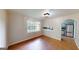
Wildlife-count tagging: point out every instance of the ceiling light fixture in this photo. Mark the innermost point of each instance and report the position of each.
(46, 13)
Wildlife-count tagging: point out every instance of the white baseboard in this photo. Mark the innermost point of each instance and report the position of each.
(52, 37)
(28, 39)
(3, 48)
(22, 40)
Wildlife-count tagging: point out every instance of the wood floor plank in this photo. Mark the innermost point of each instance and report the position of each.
(45, 43)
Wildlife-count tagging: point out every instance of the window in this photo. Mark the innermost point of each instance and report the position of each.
(33, 26)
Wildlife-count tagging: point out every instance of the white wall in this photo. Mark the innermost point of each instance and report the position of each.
(3, 37)
(56, 32)
(16, 28)
(56, 23)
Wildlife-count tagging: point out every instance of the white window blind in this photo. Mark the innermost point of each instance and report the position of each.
(33, 26)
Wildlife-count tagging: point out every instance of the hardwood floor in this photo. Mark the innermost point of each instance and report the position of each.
(45, 43)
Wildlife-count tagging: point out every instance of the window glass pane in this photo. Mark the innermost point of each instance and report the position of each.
(33, 26)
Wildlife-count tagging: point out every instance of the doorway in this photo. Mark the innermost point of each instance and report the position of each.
(68, 28)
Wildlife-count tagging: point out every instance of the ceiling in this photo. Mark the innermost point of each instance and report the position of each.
(37, 13)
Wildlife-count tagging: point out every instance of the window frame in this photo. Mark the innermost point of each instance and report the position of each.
(34, 25)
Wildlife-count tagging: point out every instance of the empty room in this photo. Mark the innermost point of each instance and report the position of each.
(39, 29)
